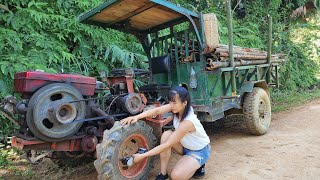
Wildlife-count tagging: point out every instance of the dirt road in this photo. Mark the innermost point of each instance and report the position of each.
(290, 150)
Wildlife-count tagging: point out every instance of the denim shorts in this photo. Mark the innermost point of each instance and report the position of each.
(202, 155)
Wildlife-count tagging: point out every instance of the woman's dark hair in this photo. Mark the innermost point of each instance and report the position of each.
(183, 95)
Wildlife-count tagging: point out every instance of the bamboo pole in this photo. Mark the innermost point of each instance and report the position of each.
(268, 78)
(230, 39)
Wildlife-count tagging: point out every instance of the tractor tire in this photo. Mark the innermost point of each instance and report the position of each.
(122, 141)
(257, 111)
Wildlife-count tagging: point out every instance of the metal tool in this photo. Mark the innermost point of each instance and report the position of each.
(128, 161)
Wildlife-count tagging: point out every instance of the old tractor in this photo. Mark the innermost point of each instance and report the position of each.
(65, 116)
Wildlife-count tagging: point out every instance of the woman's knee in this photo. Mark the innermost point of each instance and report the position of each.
(177, 175)
(165, 136)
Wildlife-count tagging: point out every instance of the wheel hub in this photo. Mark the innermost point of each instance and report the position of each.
(132, 103)
(129, 147)
(88, 143)
(64, 113)
(262, 112)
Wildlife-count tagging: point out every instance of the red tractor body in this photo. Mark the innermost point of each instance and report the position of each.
(30, 81)
(66, 114)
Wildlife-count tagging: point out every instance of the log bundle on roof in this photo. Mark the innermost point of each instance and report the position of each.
(220, 57)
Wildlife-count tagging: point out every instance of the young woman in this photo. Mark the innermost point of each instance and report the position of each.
(189, 138)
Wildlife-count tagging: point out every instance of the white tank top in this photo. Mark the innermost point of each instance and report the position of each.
(193, 140)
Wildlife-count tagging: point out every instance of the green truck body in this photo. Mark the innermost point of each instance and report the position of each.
(213, 93)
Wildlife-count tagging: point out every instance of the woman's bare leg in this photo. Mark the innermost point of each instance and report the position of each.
(165, 155)
(185, 168)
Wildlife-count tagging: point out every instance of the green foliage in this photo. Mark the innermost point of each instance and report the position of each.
(296, 39)
(3, 160)
(284, 100)
(46, 35)
(21, 174)
(6, 128)
(5, 85)
(302, 47)
(9, 158)
(6, 156)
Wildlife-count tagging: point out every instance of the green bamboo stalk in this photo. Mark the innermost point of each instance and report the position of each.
(230, 38)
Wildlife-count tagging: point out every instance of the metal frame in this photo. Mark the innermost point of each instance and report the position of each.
(188, 15)
(94, 11)
(142, 35)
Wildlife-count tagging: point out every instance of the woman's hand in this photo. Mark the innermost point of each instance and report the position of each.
(138, 157)
(149, 113)
(129, 120)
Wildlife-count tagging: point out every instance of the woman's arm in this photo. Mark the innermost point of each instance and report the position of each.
(177, 135)
(149, 113)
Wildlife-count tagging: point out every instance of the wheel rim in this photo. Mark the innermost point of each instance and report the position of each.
(263, 112)
(130, 146)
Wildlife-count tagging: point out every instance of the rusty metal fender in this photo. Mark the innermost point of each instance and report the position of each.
(249, 85)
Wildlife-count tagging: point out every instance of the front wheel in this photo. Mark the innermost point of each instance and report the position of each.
(122, 141)
(257, 111)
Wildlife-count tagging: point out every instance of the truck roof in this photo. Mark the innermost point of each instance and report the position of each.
(140, 16)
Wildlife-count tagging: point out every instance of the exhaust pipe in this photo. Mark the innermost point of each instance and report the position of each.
(109, 120)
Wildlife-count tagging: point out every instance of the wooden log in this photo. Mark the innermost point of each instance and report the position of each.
(247, 51)
(217, 64)
(223, 59)
(242, 48)
(194, 56)
(240, 56)
(244, 56)
(225, 48)
(188, 58)
(241, 52)
(208, 50)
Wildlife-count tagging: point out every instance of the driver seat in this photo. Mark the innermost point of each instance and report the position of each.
(161, 64)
